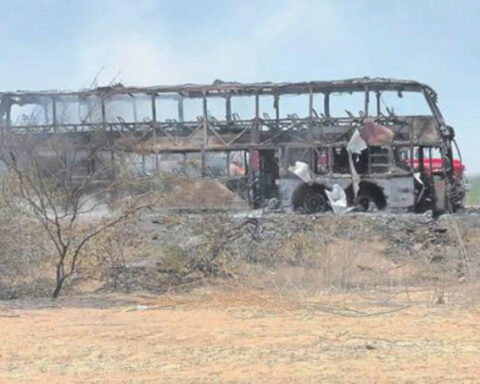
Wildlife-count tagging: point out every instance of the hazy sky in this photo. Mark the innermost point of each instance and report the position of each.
(50, 44)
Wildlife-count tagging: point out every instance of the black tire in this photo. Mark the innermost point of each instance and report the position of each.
(315, 202)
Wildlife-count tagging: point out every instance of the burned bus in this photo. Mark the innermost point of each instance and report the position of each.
(308, 146)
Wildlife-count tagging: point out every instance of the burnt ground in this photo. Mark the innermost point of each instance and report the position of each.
(311, 252)
(167, 249)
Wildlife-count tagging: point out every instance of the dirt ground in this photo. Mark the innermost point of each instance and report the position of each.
(233, 334)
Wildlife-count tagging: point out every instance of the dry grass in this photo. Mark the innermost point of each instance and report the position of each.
(239, 335)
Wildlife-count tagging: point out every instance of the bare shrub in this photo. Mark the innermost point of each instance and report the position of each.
(52, 192)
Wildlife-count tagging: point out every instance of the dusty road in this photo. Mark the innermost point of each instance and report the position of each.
(234, 335)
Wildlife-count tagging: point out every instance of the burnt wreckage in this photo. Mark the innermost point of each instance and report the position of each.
(313, 146)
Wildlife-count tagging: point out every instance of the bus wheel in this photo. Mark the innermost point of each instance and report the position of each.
(363, 201)
(315, 201)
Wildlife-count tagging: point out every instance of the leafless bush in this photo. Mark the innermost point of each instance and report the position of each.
(52, 190)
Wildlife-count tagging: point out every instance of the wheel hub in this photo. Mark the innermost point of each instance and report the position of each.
(314, 202)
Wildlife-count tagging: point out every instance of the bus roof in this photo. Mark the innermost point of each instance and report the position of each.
(222, 88)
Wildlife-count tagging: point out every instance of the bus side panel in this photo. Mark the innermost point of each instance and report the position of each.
(399, 192)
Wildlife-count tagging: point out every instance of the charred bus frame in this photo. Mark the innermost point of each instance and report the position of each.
(391, 174)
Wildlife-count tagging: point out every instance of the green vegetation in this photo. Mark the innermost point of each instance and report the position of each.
(473, 195)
